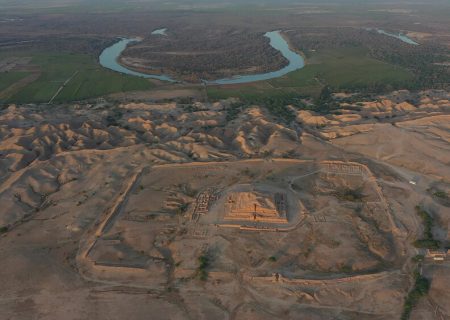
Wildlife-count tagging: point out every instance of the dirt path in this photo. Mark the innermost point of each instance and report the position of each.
(111, 215)
(62, 86)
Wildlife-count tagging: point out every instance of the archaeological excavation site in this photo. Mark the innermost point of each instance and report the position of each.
(197, 216)
(271, 223)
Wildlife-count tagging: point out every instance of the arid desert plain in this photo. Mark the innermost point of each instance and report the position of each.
(190, 216)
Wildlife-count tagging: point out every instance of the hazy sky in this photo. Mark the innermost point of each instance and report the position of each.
(28, 5)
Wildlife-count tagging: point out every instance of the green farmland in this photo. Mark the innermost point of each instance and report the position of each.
(9, 78)
(341, 69)
(345, 68)
(88, 80)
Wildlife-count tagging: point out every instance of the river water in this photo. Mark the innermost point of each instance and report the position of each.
(109, 59)
(161, 32)
(296, 62)
(398, 36)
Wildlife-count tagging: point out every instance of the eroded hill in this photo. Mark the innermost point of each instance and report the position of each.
(182, 211)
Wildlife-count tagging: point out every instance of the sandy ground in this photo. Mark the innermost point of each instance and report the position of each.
(98, 203)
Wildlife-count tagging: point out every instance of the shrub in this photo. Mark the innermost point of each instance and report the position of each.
(182, 208)
(247, 172)
(203, 265)
(112, 119)
(233, 111)
(346, 269)
(421, 287)
(427, 244)
(427, 220)
(440, 194)
(354, 195)
(272, 259)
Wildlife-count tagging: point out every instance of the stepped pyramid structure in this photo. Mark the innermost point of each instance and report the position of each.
(256, 206)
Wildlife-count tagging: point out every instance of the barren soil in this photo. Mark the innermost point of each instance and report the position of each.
(99, 204)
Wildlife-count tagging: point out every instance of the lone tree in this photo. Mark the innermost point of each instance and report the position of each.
(203, 264)
(325, 95)
(325, 103)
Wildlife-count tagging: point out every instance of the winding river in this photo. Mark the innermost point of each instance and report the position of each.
(296, 62)
(109, 59)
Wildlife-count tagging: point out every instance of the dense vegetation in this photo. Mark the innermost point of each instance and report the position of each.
(325, 102)
(424, 60)
(193, 54)
(440, 194)
(281, 106)
(233, 111)
(347, 194)
(202, 268)
(278, 106)
(427, 241)
(421, 287)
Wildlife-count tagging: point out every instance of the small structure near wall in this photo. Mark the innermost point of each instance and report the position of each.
(437, 255)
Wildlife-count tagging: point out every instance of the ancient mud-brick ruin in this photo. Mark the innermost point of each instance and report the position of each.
(343, 167)
(204, 201)
(256, 206)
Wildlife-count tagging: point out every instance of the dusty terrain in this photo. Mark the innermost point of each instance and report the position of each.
(114, 211)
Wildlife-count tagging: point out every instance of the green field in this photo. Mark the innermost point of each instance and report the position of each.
(91, 81)
(9, 78)
(345, 68)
